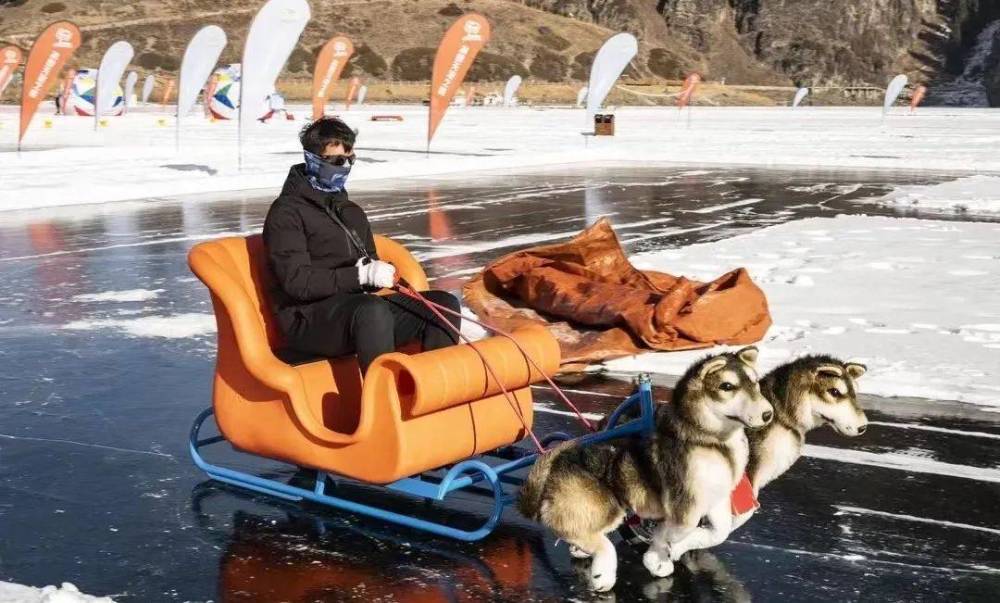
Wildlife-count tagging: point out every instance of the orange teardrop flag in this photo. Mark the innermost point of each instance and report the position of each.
(48, 54)
(10, 60)
(166, 93)
(458, 49)
(918, 96)
(329, 64)
(351, 90)
(690, 83)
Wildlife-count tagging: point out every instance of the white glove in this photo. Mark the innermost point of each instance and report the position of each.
(376, 273)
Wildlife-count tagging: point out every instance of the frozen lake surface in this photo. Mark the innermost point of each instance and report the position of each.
(107, 348)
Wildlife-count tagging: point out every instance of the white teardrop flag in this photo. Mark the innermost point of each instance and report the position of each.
(200, 57)
(110, 73)
(147, 88)
(581, 96)
(130, 81)
(273, 35)
(510, 90)
(800, 94)
(893, 91)
(362, 93)
(608, 65)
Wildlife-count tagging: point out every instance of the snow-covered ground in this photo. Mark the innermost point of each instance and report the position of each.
(134, 157)
(67, 593)
(915, 300)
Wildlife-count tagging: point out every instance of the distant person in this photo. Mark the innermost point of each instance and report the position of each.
(322, 253)
(276, 104)
(63, 93)
(210, 88)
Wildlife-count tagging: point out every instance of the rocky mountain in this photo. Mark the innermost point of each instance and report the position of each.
(775, 42)
(807, 42)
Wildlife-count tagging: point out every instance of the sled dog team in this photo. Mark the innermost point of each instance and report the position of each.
(722, 421)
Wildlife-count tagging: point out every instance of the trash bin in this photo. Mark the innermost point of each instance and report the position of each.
(604, 124)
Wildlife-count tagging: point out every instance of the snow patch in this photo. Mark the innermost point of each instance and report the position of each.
(920, 341)
(724, 206)
(132, 295)
(67, 593)
(901, 462)
(973, 194)
(848, 510)
(178, 326)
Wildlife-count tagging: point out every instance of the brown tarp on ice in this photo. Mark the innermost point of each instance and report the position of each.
(599, 306)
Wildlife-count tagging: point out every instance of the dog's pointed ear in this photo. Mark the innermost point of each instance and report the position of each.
(855, 369)
(748, 355)
(829, 370)
(711, 365)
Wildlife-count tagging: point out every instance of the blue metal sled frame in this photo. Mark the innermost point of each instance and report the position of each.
(467, 475)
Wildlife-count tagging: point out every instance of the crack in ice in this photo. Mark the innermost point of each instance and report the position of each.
(8, 436)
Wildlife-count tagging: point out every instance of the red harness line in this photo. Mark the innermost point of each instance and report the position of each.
(438, 309)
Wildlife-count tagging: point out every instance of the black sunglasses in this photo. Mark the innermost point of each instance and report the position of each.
(339, 160)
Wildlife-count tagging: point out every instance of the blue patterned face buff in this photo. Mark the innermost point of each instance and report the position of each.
(324, 176)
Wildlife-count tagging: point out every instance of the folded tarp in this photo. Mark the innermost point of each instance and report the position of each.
(599, 306)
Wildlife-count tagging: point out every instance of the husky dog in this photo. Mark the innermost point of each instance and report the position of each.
(806, 393)
(683, 472)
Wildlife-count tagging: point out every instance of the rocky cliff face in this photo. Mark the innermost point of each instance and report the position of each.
(801, 41)
(991, 75)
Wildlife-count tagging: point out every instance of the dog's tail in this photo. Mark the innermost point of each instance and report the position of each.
(532, 495)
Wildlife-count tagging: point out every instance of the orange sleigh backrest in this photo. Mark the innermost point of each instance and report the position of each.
(235, 271)
(237, 274)
(244, 261)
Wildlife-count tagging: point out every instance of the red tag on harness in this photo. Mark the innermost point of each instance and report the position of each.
(742, 498)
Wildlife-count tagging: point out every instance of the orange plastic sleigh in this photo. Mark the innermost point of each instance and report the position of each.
(422, 424)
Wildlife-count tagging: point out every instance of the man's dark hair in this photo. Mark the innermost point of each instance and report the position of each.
(315, 136)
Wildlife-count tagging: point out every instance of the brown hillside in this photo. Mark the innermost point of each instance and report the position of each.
(395, 39)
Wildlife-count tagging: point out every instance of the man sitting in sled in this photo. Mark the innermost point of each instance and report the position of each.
(321, 250)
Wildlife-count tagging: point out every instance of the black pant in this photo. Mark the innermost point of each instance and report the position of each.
(370, 325)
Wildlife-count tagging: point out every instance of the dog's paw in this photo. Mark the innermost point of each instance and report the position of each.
(658, 565)
(604, 571)
(577, 553)
(602, 581)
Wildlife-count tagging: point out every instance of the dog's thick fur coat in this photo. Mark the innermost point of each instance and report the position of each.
(684, 471)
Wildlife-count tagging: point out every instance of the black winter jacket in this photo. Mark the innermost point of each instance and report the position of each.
(311, 256)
